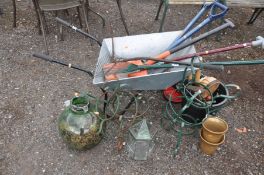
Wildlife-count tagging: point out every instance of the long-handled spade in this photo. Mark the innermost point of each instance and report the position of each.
(258, 42)
(188, 31)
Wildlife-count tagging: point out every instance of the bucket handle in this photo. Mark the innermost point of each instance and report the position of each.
(236, 94)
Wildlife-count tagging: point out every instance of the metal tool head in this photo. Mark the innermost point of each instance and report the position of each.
(259, 42)
(230, 23)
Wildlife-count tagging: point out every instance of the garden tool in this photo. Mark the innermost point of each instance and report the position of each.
(259, 42)
(219, 63)
(237, 63)
(111, 69)
(60, 62)
(134, 68)
(188, 32)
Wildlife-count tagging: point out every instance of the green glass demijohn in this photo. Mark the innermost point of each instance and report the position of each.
(80, 124)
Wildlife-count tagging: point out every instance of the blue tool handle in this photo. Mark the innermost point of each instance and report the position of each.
(188, 27)
(202, 24)
(187, 32)
(192, 32)
(218, 15)
(194, 20)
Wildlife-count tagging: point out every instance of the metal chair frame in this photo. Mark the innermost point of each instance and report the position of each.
(256, 13)
(88, 9)
(41, 8)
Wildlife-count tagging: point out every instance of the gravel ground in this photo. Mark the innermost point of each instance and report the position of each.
(32, 95)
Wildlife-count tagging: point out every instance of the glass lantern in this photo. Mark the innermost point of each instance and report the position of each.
(140, 143)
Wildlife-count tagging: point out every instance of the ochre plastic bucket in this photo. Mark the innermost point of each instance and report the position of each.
(208, 147)
(214, 128)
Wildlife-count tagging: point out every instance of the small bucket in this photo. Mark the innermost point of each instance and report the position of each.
(197, 113)
(200, 113)
(208, 147)
(221, 101)
(213, 129)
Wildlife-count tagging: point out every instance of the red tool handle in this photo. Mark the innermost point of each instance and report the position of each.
(210, 52)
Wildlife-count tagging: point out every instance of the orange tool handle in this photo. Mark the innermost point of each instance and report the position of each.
(160, 56)
(149, 62)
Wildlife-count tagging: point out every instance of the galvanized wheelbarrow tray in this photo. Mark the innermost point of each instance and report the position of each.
(147, 45)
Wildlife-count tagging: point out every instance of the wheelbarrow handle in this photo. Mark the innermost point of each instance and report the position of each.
(49, 59)
(218, 15)
(67, 24)
(63, 22)
(43, 57)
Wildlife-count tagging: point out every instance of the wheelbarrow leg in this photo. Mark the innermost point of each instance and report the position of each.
(36, 11)
(79, 16)
(158, 12)
(42, 27)
(255, 15)
(122, 15)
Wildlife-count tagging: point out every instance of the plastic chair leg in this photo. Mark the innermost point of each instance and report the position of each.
(158, 12)
(60, 26)
(79, 16)
(90, 9)
(85, 14)
(122, 15)
(164, 15)
(36, 11)
(255, 15)
(43, 32)
(41, 19)
(14, 13)
(61, 33)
